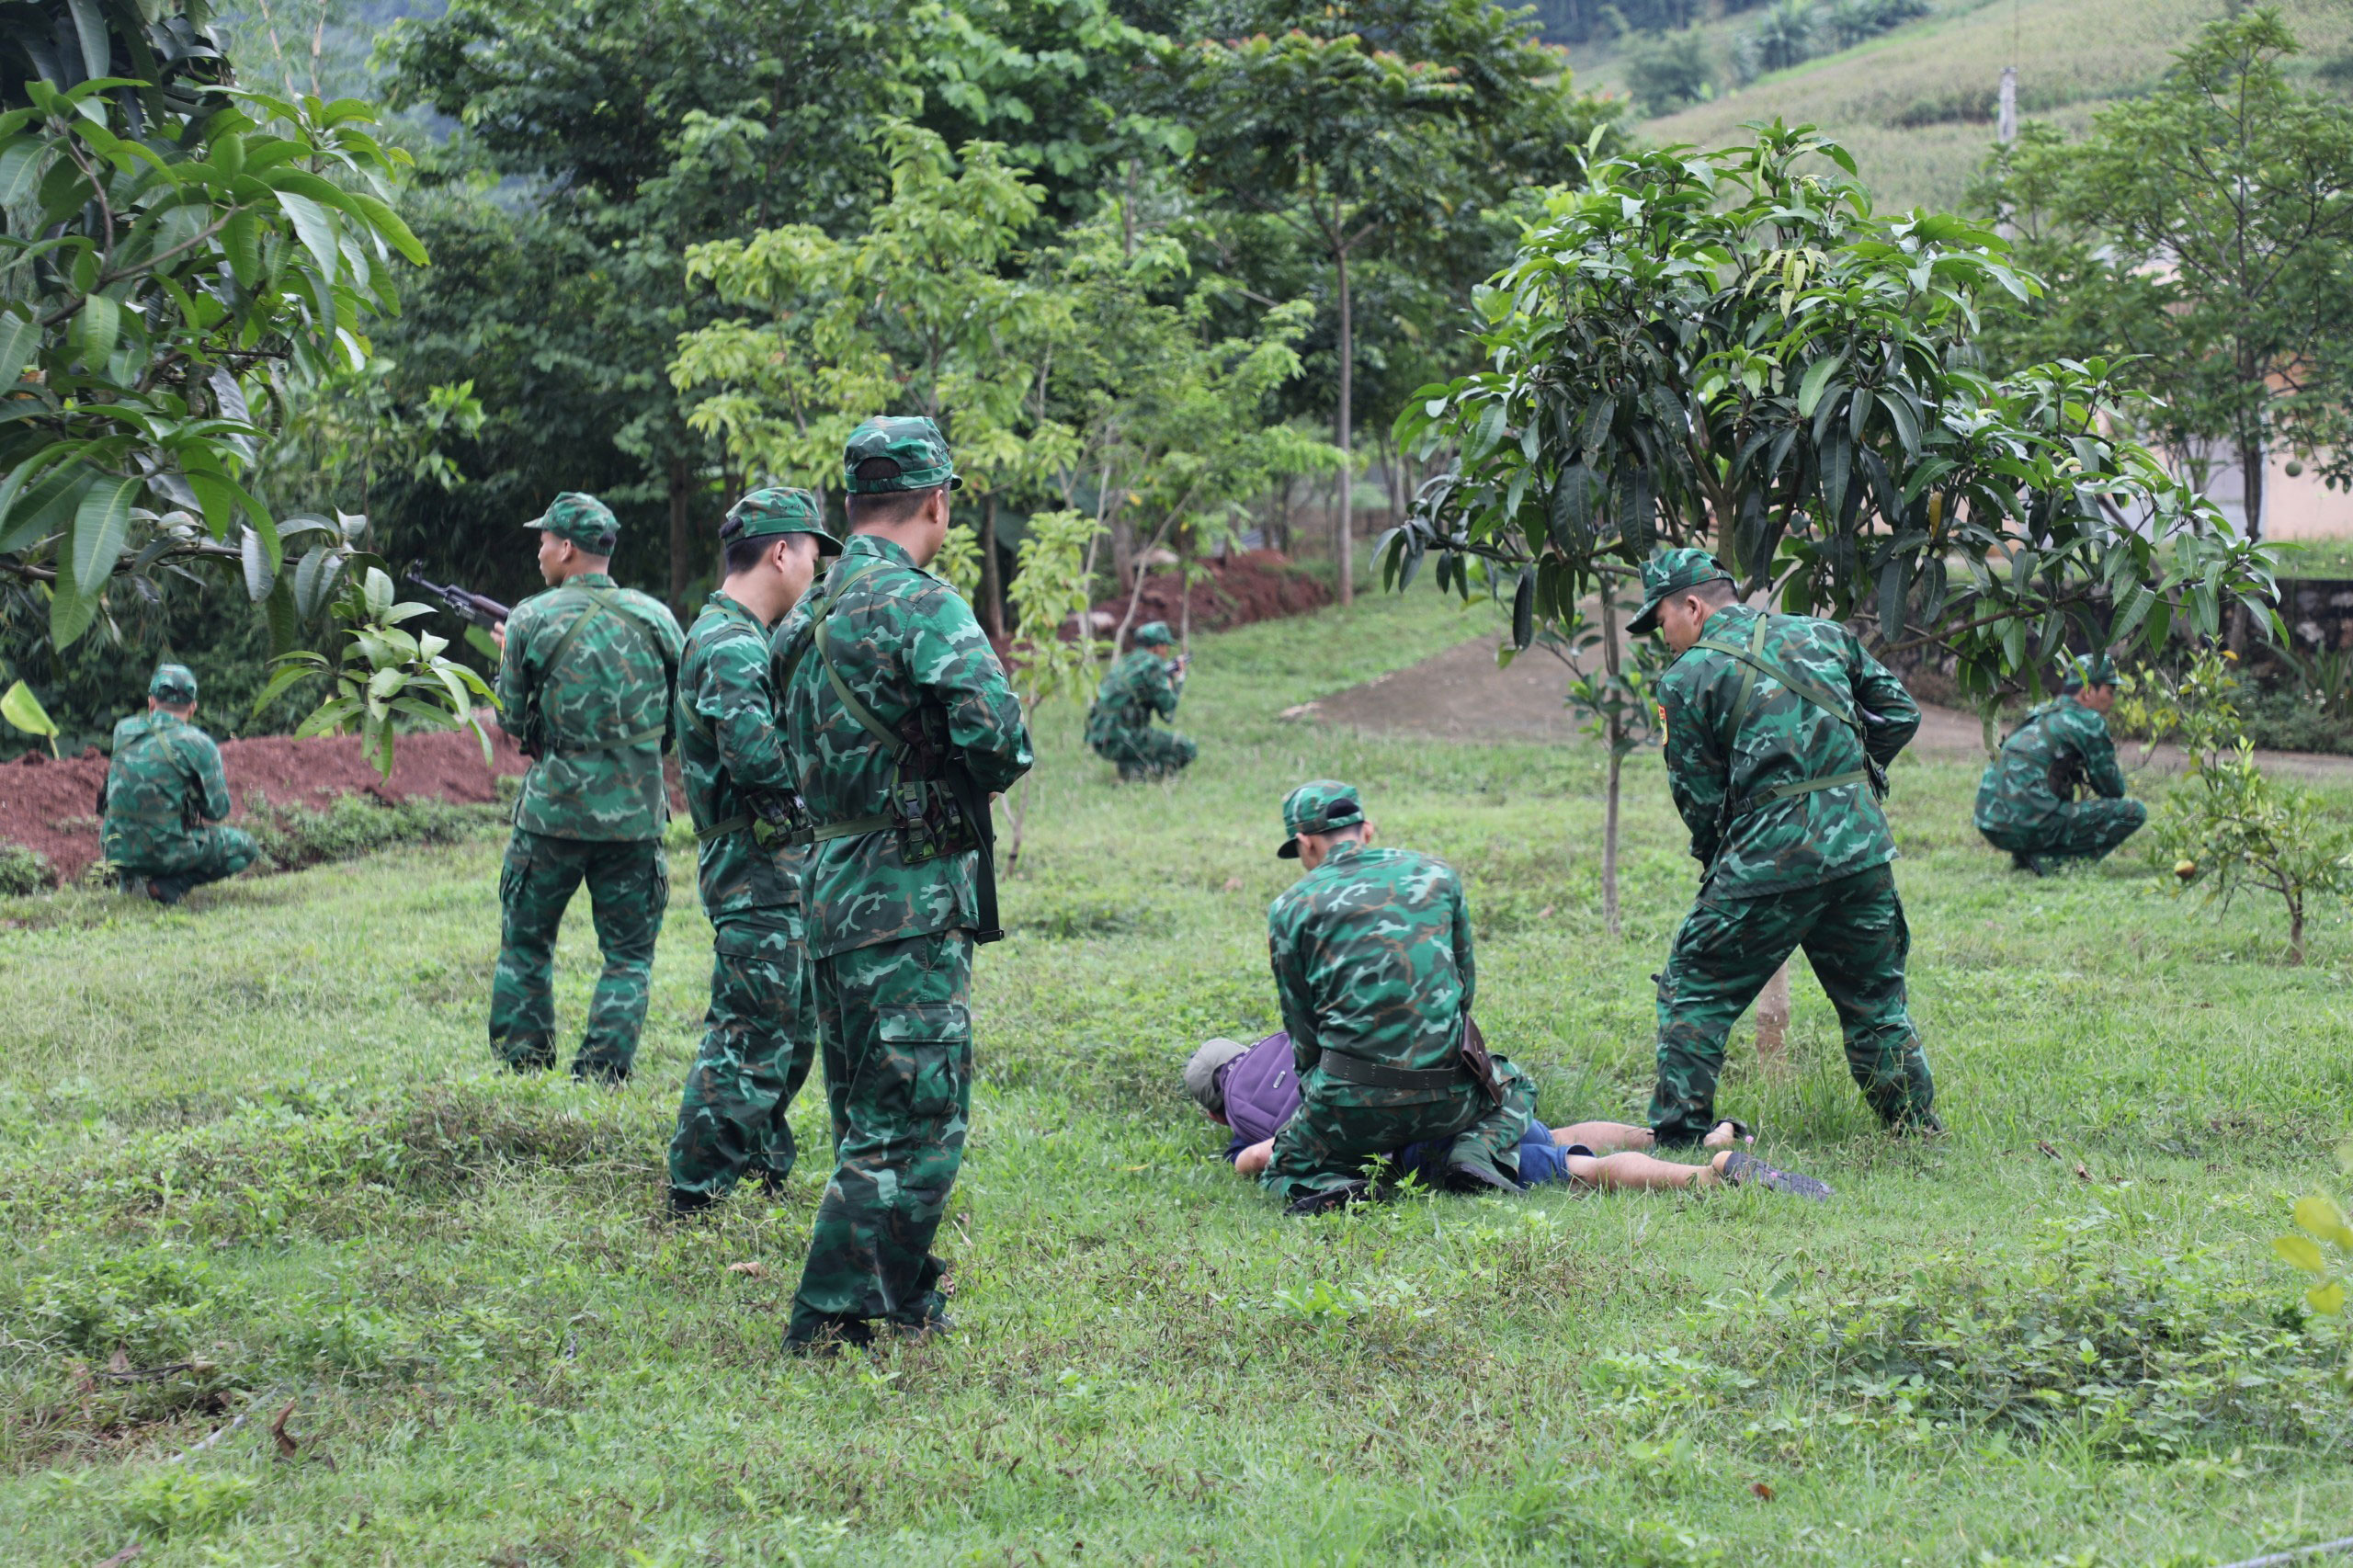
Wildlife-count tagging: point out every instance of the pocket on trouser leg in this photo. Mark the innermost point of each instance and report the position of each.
(928, 1053)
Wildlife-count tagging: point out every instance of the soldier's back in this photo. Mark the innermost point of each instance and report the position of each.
(1372, 934)
(591, 663)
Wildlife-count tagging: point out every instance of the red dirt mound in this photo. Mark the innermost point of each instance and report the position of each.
(49, 805)
(1258, 585)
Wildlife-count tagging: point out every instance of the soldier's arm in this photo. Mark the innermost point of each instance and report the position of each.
(1161, 690)
(1889, 716)
(211, 783)
(1291, 994)
(1698, 772)
(952, 662)
(1463, 965)
(2096, 747)
(514, 652)
(735, 699)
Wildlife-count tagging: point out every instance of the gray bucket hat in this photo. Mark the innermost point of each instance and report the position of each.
(1201, 1073)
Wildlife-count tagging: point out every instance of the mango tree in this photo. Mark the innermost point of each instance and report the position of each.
(1732, 347)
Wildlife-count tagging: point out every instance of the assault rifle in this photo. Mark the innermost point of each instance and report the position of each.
(475, 609)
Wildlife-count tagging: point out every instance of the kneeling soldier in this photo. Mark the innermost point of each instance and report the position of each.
(2027, 802)
(584, 679)
(1777, 730)
(165, 797)
(1145, 682)
(1371, 955)
(761, 1032)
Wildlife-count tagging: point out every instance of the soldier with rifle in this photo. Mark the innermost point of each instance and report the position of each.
(751, 840)
(2027, 802)
(1144, 683)
(584, 679)
(903, 726)
(1778, 731)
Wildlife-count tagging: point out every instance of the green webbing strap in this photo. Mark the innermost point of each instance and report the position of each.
(643, 737)
(599, 601)
(1764, 798)
(1753, 657)
(850, 829)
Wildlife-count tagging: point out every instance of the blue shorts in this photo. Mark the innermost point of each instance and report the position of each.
(1542, 1162)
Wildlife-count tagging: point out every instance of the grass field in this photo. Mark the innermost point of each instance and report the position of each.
(1914, 107)
(258, 1143)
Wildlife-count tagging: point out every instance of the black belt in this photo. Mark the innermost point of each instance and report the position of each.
(1373, 1075)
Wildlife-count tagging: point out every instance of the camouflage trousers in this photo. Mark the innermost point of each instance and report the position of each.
(192, 858)
(1147, 753)
(758, 1039)
(894, 1026)
(1342, 1128)
(1853, 935)
(2082, 830)
(628, 889)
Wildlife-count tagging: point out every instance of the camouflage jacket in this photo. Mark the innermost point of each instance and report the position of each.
(728, 748)
(2062, 744)
(1135, 689)
(906, 645)
(1752, 826)
(1371, 954)
(596, 706)
(165, 780)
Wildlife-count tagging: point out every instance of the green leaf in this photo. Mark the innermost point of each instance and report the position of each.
(23, 710)
(260, 571)
(95, 330)
(1817, 377)
(99, 524)
(315, 224)
(19, 342)
(2328, 1300)
(2317, 1216)
(21, 166)
(285, 680)
(387, 223)
(2302, 1252)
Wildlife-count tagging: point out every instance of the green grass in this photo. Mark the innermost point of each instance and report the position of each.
(1911, 104)
(262, 1135)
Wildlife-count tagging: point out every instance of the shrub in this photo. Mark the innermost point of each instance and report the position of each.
(1667, 72)
(295, 836)
(23, 870)
(147, 1303)
(179, 1500)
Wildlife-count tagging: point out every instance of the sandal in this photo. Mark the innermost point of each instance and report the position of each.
(1743, 1168)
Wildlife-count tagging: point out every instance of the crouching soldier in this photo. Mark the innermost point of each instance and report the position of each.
(2026, 804)
(1371, 954)
(166, 798)
(1145, 682)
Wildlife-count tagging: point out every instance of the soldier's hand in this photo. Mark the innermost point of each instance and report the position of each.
(499, 635)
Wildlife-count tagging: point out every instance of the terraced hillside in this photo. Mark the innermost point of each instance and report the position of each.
(1916, 104)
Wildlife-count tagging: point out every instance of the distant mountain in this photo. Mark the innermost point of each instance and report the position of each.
(1915, 103)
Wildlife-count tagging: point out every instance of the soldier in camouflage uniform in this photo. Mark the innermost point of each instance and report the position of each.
(761, 1032)
(901, 724)
(2027, 802)
(1371, 955)
(1145, 682)
(165, 797)
(1777, 730)
(583, 682)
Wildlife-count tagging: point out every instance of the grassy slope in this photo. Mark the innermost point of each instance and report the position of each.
(2073, 55)
(452, 1273)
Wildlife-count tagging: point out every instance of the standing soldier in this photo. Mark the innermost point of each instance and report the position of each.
(901, 722)
(2026, 804)
(584, 682)
(1373, 972)
(165, 797)
(750, 832)
(1777, 730)
(1145, 682)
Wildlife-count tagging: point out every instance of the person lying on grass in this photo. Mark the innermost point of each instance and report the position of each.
(1252, 1090)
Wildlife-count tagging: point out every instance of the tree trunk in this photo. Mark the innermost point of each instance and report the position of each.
(2295, 931)
(1017, 808)
(1617, 744)
(682, 544)
(2251, 460)
(991, 591)
(1773, 1025)
(1343, 430)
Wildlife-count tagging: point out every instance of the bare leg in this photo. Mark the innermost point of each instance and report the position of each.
(1604, 1137)
(1632, 1172)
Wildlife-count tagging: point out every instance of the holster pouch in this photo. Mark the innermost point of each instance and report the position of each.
(930, 823)
(1477, 1063)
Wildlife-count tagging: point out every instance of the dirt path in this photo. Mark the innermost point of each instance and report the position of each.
(1461, 696)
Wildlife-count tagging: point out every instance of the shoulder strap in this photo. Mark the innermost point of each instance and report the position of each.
(814, 633)
(599, 601)
(1800, 685)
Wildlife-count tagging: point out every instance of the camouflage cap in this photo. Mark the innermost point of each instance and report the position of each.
(1201, 1071)
(174, 683)
(584, 520)
(780, 510)
(2088, 669)
(1320, 805)
(1154, 634)
(911, 442)
(1668, 572)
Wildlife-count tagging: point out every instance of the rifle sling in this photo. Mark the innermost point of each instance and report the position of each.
(1800, 686)
(598, 603)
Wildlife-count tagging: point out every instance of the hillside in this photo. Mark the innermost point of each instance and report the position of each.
(1915, 104)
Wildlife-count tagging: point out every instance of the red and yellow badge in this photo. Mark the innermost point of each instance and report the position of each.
(1662, 718)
